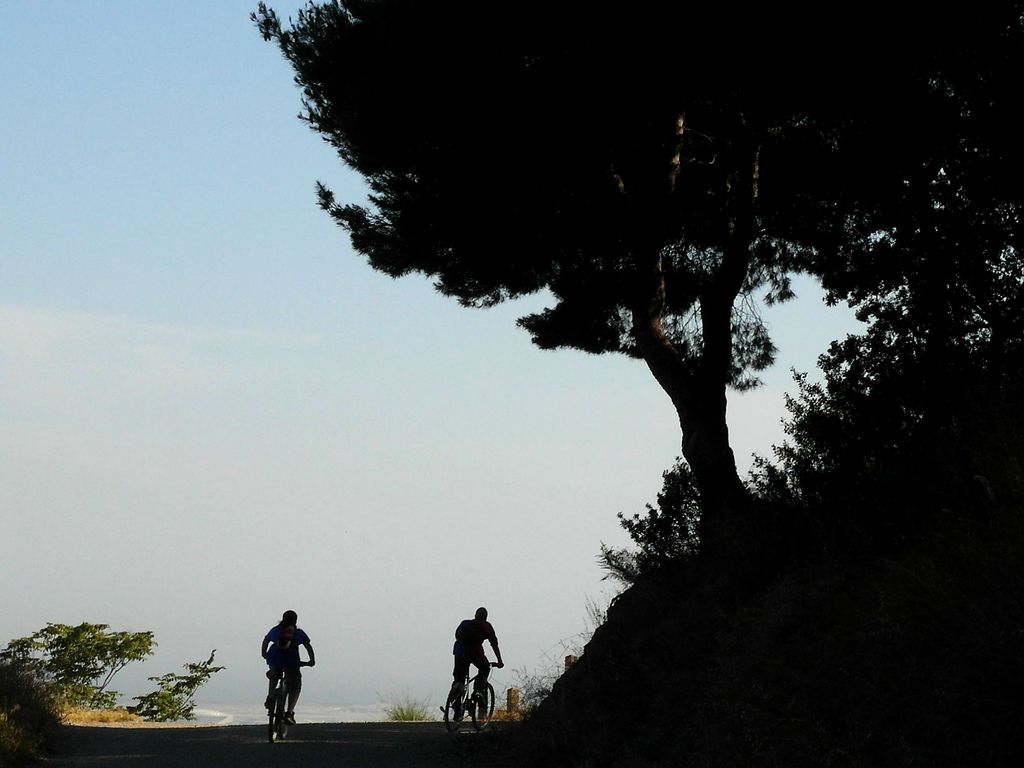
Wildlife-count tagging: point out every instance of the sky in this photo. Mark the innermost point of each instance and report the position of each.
(211, 410)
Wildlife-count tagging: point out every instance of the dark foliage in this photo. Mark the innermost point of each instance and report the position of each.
(925, 409)
(646, 167)
(664, 535)
(28, 715)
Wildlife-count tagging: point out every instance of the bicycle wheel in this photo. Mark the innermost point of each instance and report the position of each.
(278, 724)
(282, 721)
(482, 712)
(272, 717)
(453, 709)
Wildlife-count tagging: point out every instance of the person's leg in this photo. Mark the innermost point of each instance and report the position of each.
(480, 686)
(459, 675)
(293, 685)
(483, 669)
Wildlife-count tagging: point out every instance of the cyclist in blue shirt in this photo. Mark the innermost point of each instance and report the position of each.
(280, 649)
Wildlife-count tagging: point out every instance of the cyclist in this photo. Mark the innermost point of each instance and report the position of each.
(469, 649)
(281, 650)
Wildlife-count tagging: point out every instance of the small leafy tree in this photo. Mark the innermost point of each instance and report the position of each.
(79, 662)
(173, 699)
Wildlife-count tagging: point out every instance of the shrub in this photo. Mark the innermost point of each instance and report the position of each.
(664, 535)
(173, 699)
(79, 662)
(28, 715)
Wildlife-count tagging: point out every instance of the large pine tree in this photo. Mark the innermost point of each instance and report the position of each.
(651, 166)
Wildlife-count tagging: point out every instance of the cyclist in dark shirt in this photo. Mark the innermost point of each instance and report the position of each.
(469, 649)
(280, 649)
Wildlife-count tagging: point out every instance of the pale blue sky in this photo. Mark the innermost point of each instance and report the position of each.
(211, 410)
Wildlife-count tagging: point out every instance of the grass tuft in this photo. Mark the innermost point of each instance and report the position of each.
(76, 716)
(407, 709)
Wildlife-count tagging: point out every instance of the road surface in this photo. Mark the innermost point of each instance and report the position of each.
(366, 745)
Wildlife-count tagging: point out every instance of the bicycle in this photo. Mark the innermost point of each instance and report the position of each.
(463, 700)
(277, 723)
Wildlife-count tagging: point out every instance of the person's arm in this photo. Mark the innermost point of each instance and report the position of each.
(267, 642)
(309, 650)
(493, 640)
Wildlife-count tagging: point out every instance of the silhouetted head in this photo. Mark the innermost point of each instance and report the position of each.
(290, 617)
(481, 614)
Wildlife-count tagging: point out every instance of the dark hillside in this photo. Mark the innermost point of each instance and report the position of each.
(911, 659)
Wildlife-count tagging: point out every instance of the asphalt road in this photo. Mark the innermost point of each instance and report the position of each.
(362, 745)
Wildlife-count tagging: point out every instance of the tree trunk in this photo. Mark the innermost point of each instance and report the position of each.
(700, 403)
(697, 388)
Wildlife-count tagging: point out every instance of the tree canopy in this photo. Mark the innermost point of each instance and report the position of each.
(80, 661)
(652, 168)
(932, 387)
